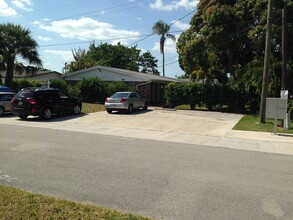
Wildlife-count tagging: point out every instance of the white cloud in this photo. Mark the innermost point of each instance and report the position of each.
(64, 55)
(122, 42)
(170, 46)
(23, 4)
(87, 29)
(42, 38)
(180, 25)
(187, 4)
(5, 10)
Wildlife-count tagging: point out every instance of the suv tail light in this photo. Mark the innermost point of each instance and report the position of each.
(31, 101)
(123, 100)
(13, 100)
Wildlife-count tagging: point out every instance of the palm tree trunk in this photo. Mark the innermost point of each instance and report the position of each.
(9, 73)
(163, 63)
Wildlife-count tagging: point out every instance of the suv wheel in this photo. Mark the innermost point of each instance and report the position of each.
(76, 109)
(1, 111)
(22, 116)
(47, 114)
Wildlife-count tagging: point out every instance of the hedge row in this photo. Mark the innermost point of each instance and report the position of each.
(211, 96)
(90, 90)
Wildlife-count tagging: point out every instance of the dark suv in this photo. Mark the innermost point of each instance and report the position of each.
(43, 102)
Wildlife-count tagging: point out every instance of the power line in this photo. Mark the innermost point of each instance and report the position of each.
(89, 41)
(98, 11)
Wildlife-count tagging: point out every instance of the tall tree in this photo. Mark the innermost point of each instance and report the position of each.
(16, 41)
(117, 56)
(229, 36)
(161, 28)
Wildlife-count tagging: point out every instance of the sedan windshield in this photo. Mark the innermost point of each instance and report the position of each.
(120, 95)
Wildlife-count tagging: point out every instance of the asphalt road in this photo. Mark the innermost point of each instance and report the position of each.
(164, 180)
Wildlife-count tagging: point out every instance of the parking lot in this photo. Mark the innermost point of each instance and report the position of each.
(191, 127)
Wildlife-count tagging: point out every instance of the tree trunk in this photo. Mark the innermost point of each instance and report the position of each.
(163, 63)
(9, 73)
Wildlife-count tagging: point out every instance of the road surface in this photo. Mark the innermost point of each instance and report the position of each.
(160, 179)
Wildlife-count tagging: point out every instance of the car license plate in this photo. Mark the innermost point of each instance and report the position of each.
(20, 103)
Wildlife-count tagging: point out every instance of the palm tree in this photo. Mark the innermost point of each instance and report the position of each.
(15, 42)
(161, 28)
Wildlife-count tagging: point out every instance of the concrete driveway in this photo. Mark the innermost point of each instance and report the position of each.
(192, 127)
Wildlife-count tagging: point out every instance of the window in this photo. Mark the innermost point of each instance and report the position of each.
(62, 95)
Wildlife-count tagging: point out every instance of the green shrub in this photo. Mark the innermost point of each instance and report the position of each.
(113, 87)
(59, 84)
(92, 90)
(176, 94)
(23, 83)
(212, 97)
(74, 91)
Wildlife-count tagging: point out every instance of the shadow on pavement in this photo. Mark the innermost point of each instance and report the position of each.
(54, 118)
(135, 112)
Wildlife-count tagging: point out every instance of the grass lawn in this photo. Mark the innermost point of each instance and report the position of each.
(92, 107)
(18, 204)
(251, 123)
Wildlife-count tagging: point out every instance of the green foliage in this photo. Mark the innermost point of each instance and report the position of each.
(113, 87)
(73, 91)
(59, 84)
(23, 83)
(176, 94)
(212, 97)
(92, 90)
(117, 56)
(16, 41)
(228, 36)
(162, 29)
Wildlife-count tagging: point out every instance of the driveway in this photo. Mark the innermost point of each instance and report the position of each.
(192, 127)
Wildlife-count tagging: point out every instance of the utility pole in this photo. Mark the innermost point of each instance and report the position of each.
(264, 93)
(284, 48)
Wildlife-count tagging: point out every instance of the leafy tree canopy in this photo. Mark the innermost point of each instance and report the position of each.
(229, 36)
(15, 42)
(117, 56)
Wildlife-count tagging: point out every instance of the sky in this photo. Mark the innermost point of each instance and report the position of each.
(62, 26)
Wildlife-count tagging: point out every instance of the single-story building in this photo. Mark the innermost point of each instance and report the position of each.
(149, 85)
(39, 75)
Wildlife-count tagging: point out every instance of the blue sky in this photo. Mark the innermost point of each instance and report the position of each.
(60, 26)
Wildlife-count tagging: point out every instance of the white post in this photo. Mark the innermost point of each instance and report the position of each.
(275, 126)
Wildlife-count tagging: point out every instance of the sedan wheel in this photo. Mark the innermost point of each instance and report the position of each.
(146, 105)
(130, 108)
(109, 111)
(76, 110)
(47, 113)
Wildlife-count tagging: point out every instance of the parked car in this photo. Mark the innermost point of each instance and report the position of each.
(43, 102)
(125, 101)
(5, 89)
(5, 102)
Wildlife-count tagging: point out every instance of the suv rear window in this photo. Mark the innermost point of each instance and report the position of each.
(24, 94)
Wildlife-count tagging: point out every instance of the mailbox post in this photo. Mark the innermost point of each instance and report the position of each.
(276, 108)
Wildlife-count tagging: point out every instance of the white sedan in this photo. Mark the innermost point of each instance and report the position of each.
(125, 101)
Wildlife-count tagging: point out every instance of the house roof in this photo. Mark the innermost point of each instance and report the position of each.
(42, 72)
(142, 76)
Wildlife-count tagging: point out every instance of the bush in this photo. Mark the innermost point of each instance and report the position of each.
(74, 91)
(92, 90)
(115, 87)
(59, 84)
(210, 96)
(23, 83)
(176, 94)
